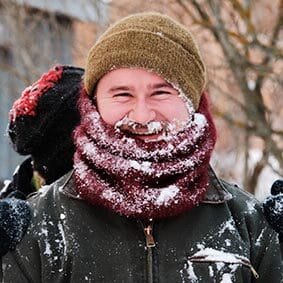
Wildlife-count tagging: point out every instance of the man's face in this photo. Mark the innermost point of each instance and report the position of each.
(141, 97)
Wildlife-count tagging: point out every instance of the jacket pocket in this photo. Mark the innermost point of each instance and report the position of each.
(210, 265)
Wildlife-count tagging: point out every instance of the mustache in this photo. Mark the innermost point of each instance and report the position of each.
(150, 128)
(164, 128)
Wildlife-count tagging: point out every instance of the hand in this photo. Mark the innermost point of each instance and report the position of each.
(15, 216)
(273, 207)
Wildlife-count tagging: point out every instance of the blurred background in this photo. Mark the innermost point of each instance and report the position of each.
(241, 42)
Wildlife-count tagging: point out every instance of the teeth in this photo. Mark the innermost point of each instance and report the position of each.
(144, 134)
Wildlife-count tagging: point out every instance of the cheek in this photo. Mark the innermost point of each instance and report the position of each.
(176, 110)
(111, 113)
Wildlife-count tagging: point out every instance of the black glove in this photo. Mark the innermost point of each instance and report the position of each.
(273, 208)
(15, 216)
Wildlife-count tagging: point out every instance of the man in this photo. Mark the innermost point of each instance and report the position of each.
(35, 129)
(143, 204)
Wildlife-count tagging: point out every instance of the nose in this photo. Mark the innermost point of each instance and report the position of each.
(142, 112)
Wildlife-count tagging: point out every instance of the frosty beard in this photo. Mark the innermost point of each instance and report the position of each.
(155, 179)
(149, 132)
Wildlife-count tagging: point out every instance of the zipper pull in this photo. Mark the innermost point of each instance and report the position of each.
(150, 243)
(255, 274)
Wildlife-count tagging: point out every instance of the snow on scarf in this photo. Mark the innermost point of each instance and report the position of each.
(142, 179)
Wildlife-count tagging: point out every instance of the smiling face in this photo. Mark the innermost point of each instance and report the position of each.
(141, 98)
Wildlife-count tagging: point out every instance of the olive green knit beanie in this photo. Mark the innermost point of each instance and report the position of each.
(154, 42)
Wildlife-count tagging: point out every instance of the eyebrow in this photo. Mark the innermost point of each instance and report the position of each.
(151, 86)
(160, 85)
(119, 88)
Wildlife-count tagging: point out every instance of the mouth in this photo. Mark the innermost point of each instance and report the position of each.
(145, 135)
(149, 138)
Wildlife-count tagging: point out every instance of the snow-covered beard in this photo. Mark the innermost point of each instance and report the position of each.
(164, 130)
(141, 179)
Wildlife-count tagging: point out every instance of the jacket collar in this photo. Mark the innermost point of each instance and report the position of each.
(216, 193)
(68, 187)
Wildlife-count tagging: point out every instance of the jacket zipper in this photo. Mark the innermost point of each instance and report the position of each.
(150, 244)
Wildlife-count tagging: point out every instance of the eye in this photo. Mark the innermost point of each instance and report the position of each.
(122, 94)
(161, 93)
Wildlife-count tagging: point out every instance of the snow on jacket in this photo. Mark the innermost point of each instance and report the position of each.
(224, 239)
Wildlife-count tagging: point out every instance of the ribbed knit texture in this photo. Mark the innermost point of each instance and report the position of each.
(138, 179)
(154, 42)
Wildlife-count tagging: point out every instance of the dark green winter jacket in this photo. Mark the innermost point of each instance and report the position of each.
(224, 239)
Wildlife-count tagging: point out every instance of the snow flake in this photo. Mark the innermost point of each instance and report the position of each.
(200, 246)
(228, 242)
(228, 225)
(159, 34)
(48, 250)
(141, 166)
(226, 278)
(191, 274)
(211, 272)
(210, 254)
(251, 206)
(62, 216)
(167, 194)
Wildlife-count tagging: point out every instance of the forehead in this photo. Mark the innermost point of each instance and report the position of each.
(132, 77)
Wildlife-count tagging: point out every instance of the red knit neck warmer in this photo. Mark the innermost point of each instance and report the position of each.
(138, 179)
